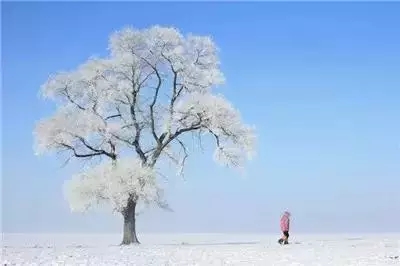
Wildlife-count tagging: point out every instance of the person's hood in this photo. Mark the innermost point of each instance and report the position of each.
(286, 213)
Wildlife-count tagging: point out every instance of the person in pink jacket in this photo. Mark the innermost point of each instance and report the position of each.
(285, 226)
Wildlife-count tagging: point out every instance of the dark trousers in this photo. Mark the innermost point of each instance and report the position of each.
(286, 234)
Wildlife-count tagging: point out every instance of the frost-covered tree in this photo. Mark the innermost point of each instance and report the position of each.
(133, 108)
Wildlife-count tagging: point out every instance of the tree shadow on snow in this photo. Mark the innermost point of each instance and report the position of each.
(215, 244)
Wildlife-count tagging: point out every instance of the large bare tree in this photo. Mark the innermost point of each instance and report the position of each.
(132, 109)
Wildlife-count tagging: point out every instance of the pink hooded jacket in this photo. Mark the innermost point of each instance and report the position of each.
(285, 221)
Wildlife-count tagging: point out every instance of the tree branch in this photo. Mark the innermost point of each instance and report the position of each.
(215, 136)
(173, 97)
(172, 137)
(136, 142)
(162, 203)
(78, 155)
(146, 78)
(66, 93)
(175, 91)
(198, 136)
(94, 152)
(112, 116)
(153, 103)
(87, 145)
(130, 143)
(184, 157)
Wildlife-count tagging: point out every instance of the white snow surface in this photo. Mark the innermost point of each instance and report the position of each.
(201, 249)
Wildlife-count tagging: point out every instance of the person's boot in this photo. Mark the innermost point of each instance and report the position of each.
(280, 241)
(286, 242)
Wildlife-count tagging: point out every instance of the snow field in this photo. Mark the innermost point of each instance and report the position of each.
(201, 249)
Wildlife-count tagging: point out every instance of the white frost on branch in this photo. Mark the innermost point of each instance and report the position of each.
(155, 87)
(235, 141)
(112, 184)
(194, 57)
(65, 127)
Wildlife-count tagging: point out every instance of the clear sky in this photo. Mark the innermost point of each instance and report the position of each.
(320, 81)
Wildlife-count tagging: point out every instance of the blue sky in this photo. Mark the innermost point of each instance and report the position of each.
(320, 81)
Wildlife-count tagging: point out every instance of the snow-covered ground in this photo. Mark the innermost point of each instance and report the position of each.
(201, 249)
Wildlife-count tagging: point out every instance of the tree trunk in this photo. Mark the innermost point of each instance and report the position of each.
(130, 224)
